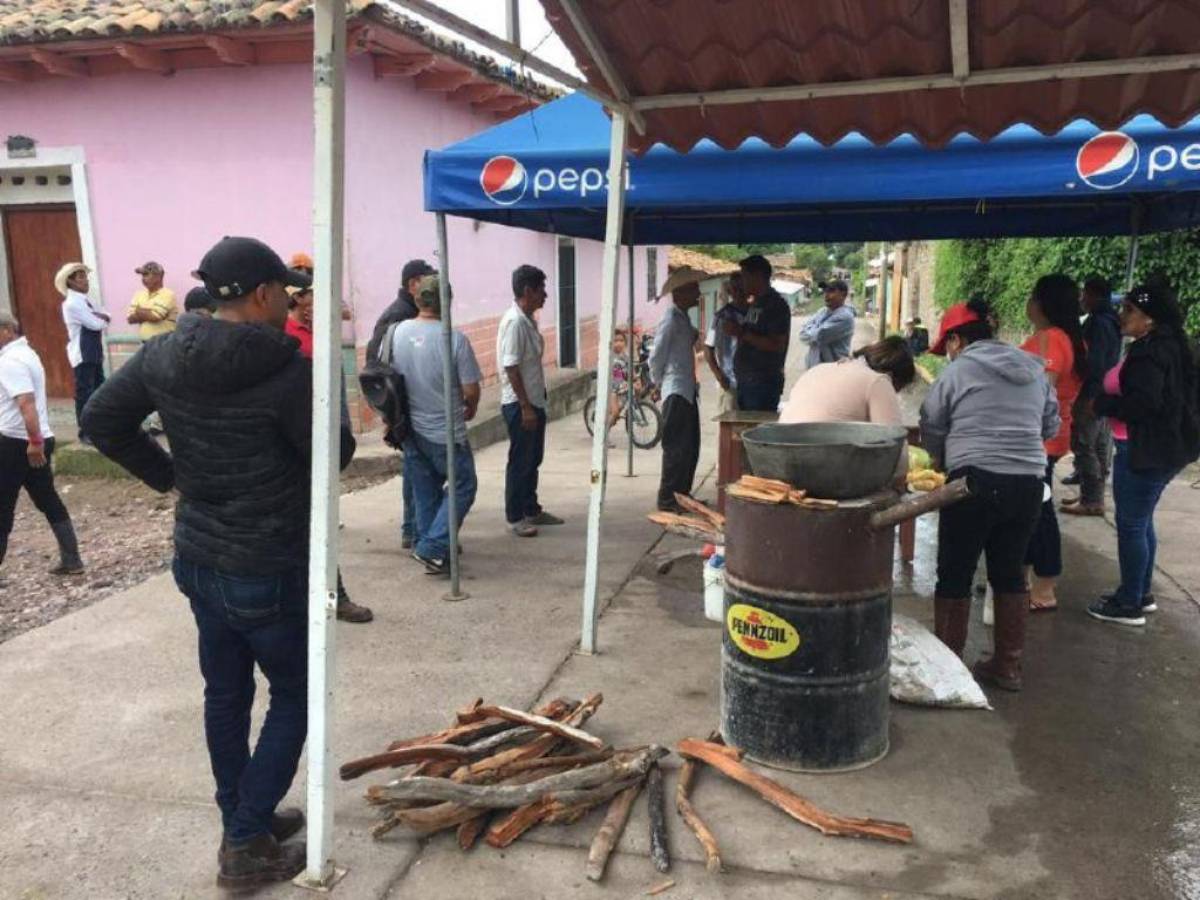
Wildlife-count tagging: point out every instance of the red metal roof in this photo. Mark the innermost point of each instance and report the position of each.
(687, 46)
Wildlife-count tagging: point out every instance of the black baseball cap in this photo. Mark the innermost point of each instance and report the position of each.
(834, 284)
(198, 298)
(235, 266)
(416, 268)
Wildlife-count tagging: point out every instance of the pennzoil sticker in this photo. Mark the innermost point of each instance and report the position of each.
(759, 633)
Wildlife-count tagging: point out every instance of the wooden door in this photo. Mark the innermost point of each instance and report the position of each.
(39, 239)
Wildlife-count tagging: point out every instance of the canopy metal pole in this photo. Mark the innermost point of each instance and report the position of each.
(610, 272)
(329, 57)
(1135, 220)
(453, 402)
(629, 372)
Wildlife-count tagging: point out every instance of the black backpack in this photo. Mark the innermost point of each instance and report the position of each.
(383, 388)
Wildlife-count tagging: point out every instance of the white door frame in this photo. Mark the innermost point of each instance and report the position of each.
(558, 243)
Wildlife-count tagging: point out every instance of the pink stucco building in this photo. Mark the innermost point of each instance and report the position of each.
(162, 130)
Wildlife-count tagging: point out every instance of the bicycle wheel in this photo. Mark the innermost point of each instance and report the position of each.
(589, 413)
(645, 428)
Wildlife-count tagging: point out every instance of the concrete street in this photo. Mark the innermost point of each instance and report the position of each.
(1083, 786)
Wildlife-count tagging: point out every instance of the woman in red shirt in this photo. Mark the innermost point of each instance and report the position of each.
(1053, 309)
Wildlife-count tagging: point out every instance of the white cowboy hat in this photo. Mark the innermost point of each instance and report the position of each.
(60, 280)
(682, 276)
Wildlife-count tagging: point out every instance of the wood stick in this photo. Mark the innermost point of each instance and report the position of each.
(558, 809)
(609, 832)
(394, 758)
(793, 804)
(658, 820)
(592, 796)
(692, 505)
(516, 823)
(620, 766)
(464, 734)
(745, 493)
(686, 526)
(541, 723)
(470, 830)
(712, 854)
(435, 818)
(551, 762)
(539, 747)
(662, 887)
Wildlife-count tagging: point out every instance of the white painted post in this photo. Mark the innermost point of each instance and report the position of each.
(453, 399)
(629, 376)
(329, 55)
(608, 306)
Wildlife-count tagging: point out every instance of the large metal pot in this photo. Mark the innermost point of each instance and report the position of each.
(834, 460)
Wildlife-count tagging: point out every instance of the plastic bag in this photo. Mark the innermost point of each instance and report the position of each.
(925, 672)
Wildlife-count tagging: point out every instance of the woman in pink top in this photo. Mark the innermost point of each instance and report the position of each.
(860, 389)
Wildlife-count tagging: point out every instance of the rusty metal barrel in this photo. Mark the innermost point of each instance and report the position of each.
(804, 655)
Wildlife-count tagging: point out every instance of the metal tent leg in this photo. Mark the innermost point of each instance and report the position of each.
(608, 304)
(629, 375)
(453, 397)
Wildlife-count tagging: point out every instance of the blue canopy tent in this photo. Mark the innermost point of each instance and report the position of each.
(546, 171)
(549, 170)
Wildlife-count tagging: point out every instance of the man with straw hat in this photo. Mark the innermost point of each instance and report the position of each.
(85, 325)
(673, 372)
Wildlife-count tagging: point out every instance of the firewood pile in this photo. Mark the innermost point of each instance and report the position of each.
(700, 521)
(771, 490)
(497, 772)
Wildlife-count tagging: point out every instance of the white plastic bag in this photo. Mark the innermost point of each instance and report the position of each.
(926, 673)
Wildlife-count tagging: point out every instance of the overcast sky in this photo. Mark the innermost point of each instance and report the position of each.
(535, 29)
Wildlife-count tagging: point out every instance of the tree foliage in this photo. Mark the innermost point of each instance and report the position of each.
(1004, 271)
(738, 252)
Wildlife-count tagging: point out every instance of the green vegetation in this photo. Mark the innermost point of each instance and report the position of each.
(1004, 271)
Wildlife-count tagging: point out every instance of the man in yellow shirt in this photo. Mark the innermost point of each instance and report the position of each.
(153, 307)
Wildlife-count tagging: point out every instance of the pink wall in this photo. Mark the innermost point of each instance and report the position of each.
(176, 162)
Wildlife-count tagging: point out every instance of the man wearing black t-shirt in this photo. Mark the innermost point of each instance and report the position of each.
(762, 339)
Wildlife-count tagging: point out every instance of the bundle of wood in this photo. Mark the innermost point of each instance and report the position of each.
(702, 522)
(497, 772)
(771, 490)
(728, 761)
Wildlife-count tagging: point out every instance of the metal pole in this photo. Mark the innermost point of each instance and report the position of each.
(629, 375)
(610, 272)
(1135, 219)
(512, 21)
(453, 403)
(884, 282)
(329, 56)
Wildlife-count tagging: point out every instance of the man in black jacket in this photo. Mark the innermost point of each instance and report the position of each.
(1091, 440)
(235, 396)
(404, 307)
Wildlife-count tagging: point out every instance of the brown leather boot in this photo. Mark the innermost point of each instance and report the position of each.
(950, 617)
(1003, 668)
(261, 860)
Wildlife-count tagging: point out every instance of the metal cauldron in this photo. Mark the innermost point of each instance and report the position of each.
(833, 460)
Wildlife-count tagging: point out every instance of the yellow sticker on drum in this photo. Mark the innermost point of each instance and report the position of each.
(759, 633)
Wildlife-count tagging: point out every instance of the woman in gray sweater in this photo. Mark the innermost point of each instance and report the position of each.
(985, 419)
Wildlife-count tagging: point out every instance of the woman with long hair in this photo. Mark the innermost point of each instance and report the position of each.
(1150, 398)
(1053, 310)
(985, 419)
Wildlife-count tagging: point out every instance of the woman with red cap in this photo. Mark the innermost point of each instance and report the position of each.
(985, 419)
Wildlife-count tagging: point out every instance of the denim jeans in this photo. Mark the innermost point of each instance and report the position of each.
(760, 397)
(425, 466)
(245, 620)
(1045, 546)
(525, 452)
(408, 525)
(1135, 495)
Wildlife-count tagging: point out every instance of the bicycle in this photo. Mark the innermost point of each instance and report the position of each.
(645, 425)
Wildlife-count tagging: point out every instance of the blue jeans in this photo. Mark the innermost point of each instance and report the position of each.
(425, 467)
(525, 452)
(759, 397)
(1135, 495)
(408, 525)
(245, 620)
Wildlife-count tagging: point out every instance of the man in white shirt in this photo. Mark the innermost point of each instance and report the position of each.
(85, 325)
(673, 371)
(26, 445)
(519, 347)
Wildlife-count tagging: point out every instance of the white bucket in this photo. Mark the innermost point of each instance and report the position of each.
(714, 588)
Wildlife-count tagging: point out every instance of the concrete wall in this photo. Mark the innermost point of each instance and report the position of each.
(175, 163)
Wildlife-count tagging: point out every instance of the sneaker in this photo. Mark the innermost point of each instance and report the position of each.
(261, 860)
(1072, 479)
(1106, 609)
(406, 542)
(433, 565)
(544, 518)
(524, 528)
(1149, 604)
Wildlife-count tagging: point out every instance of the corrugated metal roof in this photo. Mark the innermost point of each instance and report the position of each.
(687, 46)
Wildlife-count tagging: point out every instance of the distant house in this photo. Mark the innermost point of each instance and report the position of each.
(160, 125)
